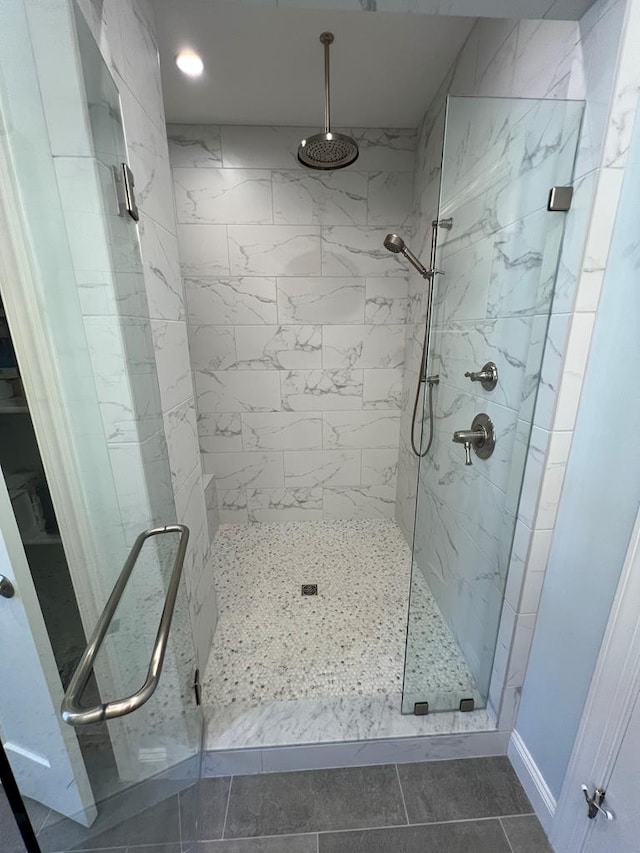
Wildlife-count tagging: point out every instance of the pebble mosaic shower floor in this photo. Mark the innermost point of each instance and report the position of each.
(273, 643)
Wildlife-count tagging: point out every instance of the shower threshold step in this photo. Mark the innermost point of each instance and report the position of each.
(243, 725)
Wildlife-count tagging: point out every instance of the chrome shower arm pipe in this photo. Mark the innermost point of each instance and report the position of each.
(327, 39)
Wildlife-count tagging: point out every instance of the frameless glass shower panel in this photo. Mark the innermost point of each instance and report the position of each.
(62, 147)
(491, 303)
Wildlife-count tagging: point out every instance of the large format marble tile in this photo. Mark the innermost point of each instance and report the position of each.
(321, 390)
(323, 467)
(282, 431)
(238, 391)
(321, 300)
(235, 471)
(274, 250)
(390, 199)
(212, 347)
(219, 431)
(358, 251)
(385, 300)
(334, 198)
(195, 145)
(288, 504)
(359, 502)
(352, 346)
(234, 301)
(241, 196)
(361, 429)
(382, 388)
(203, 250)
(172, 359)
(379, 467)
(278, 347)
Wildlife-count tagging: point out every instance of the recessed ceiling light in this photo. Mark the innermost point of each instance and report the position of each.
(190, 63)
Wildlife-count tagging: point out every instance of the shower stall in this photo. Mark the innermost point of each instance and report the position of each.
(321, 384)
(368, 581)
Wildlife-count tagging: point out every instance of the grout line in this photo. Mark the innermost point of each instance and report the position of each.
(196, 792)
(372, 828)
(506, 836)
(406, 812)
(226, 811)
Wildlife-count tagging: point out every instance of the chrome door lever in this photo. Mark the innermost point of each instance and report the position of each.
(594, 804)
(487, 376)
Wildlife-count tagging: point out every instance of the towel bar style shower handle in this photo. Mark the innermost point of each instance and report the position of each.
(72, 712)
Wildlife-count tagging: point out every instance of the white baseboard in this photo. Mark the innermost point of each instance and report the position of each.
(532, 781)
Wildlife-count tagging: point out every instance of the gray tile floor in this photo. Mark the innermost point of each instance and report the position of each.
(465, 806)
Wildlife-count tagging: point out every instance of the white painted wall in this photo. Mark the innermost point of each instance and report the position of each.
(601, 491)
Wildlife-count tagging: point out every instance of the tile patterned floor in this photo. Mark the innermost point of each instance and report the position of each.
(471, 805)
(272, 643)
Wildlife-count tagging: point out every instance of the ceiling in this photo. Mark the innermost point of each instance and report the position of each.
(264, 65)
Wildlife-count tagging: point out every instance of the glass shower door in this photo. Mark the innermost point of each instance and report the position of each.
(491, 303)
(73, 288)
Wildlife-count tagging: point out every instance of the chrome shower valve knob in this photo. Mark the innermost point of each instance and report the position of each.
(481, 437)
(487, 376)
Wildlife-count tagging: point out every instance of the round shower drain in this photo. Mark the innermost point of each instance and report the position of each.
(309, 588)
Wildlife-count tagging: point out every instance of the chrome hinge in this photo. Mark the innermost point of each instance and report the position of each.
(594, 804)
(560, 199)
(124, 188)
(197, 689)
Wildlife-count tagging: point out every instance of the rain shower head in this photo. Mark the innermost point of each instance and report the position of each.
(394, 243)
(327, 150)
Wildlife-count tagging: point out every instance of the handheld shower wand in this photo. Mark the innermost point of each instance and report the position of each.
(394, 243)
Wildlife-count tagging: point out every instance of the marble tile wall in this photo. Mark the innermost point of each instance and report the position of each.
(492, 303)
(125, 33)
(551, 60)
(295, 318)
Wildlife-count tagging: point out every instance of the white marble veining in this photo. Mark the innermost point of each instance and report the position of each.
(219, 431)
(238, 391)
(282, 431)
(323, 467)
(232, 301)
(358, 251)
(274, 249)
(194, 145)
(322, 390)
(351, 346)
(238, 470)
(332, 338)
(333, 198)
(361, 429)
(321, 300)
(386, 300)
(278, 347)
(223, 195)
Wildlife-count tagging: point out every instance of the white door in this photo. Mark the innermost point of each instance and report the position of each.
(622, 834)
(606, 754)
(43, 751)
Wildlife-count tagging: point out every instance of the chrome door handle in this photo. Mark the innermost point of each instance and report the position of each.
(7, 589)
(72, 711)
